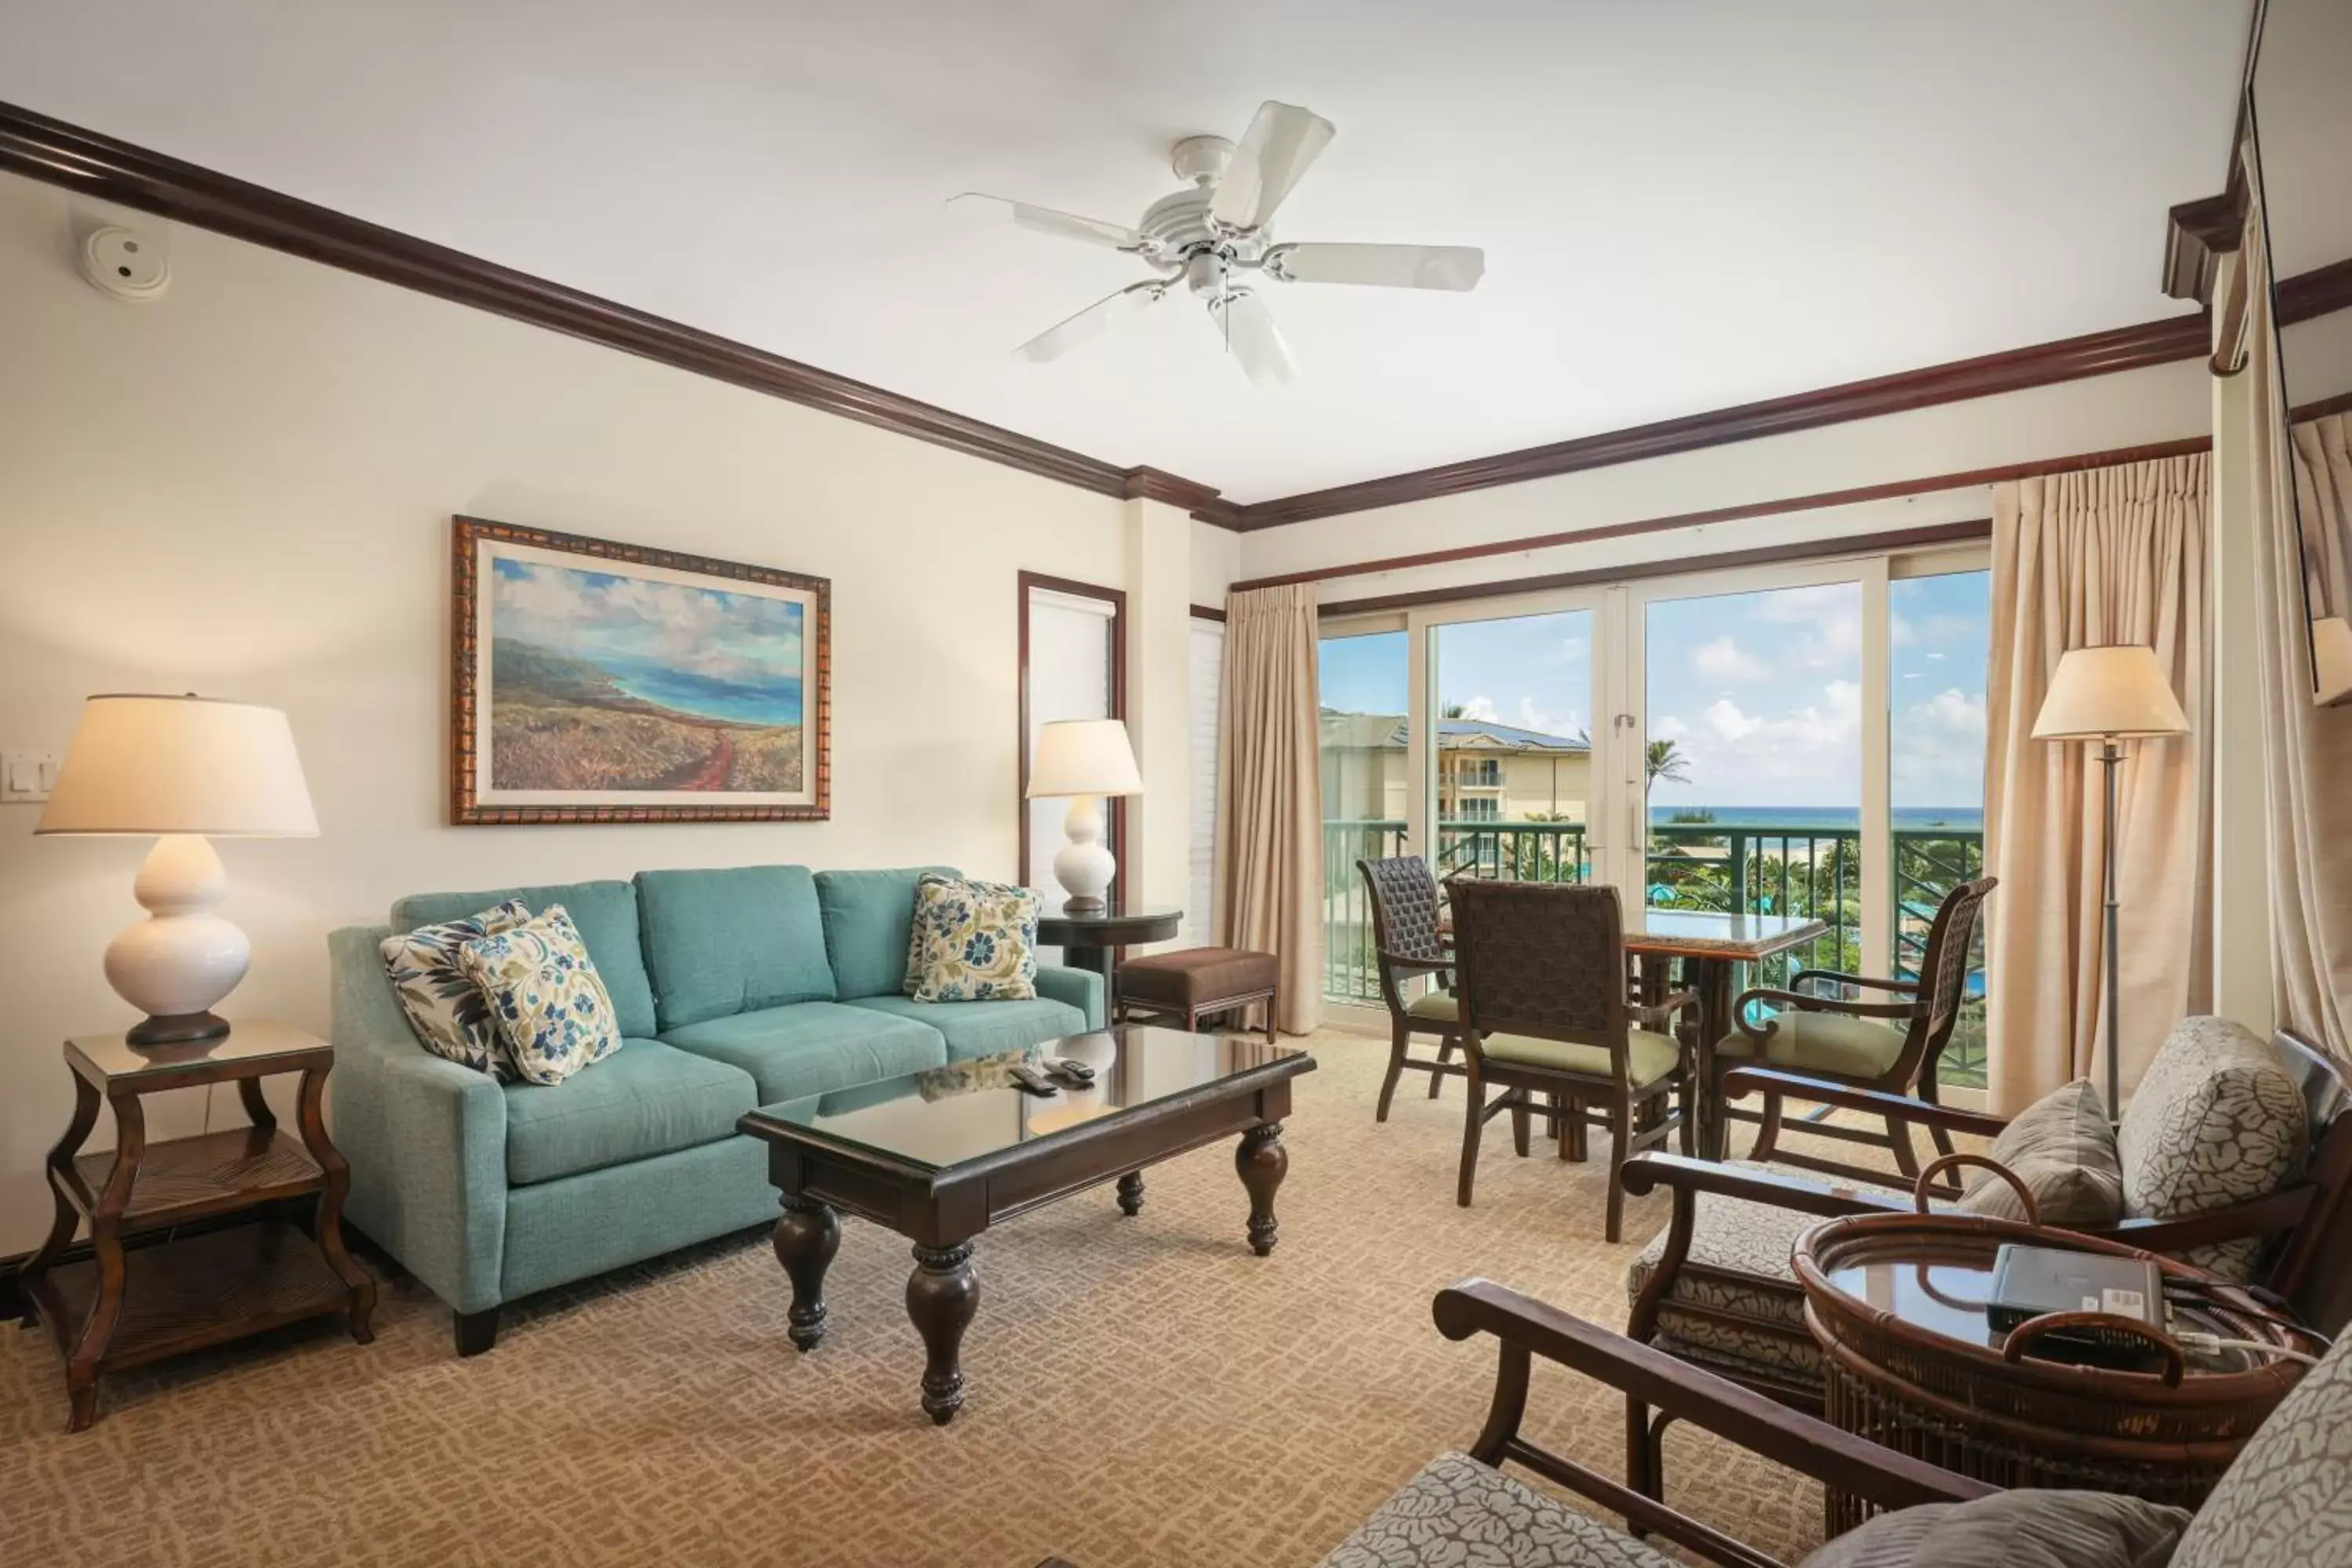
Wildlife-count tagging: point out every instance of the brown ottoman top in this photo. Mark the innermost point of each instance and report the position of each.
(1195, 975)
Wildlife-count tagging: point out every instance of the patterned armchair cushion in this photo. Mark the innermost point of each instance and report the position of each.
(447, 1011)
(972, 942)
(2063, 1150)
(554, 1016)
(2054, 1528)
(1824, 1042)
(2217, 1121)
(1462, 1514)
(2286, 1502)
(1738, 1263)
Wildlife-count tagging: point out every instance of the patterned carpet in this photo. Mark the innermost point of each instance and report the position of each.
(1142, 1392)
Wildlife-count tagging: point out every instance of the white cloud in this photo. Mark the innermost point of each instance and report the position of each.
(1482, 709)
(1573, 648)
(1669, 728)
(1723, 716)
(1564, 725)
(1808, 754)
(1724, 660)
(1938, 750)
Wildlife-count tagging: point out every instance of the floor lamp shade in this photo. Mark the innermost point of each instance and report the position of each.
(1085, 759)
(185, 770)
(2107, 694)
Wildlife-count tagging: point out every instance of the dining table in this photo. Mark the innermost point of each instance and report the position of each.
(1710, 945)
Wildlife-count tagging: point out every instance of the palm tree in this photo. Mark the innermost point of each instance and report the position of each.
(1666, 760)
(1450, 710)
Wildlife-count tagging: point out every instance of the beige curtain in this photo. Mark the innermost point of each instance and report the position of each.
(2115, 556)
(1270, 795)
(2306, 749)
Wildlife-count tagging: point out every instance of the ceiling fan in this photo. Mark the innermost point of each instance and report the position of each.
(1213, 236)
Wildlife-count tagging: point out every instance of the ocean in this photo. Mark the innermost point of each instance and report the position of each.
(1905, 818)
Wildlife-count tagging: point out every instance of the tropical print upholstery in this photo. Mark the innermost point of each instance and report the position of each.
(1462, 1514)
(972, 942)
(2217, 1121)
(1738, 1263)
(447, 1011)
(2286, 1502)
(2063, 1150)
(552, 1008)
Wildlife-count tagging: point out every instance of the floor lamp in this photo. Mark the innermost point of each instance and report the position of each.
(2110, 694)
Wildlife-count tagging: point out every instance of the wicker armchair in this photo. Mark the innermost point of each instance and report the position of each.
(1822, 1034)
(1544, 1012)
(1404, 894)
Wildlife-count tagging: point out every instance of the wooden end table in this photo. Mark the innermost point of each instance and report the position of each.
(1090, 939)
(940, 1156)
(1908, 1360)
(129, 1305)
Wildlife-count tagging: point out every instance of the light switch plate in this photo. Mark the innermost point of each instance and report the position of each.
(27, 777)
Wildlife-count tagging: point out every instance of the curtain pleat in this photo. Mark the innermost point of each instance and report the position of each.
(1269, 793)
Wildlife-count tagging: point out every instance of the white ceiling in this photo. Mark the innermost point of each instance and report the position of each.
(1684, 204)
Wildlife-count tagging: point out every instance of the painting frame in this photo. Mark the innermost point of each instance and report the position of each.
(470, 688)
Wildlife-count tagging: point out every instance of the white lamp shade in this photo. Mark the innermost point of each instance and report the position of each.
(1084, 756)
(2100, 692)
(180, 764)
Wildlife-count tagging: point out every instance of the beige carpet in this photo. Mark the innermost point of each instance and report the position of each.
(1142, 1392)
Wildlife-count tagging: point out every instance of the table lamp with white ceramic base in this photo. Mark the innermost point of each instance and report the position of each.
(186, 770)
(1086, 760)
(2110, 694)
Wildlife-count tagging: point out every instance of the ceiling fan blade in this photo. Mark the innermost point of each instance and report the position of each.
(1454, 266)
(1277, 148)
(1253, 338)
(1063, 336)
(1070, 225)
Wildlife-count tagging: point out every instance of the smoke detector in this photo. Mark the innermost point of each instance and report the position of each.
(132, 264)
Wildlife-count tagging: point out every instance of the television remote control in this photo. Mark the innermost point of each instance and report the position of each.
(1033, 1081)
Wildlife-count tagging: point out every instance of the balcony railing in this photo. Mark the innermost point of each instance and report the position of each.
(1758, 868)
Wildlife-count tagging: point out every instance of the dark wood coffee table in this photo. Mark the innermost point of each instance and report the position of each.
(939, 1156)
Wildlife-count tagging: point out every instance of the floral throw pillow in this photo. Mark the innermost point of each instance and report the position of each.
(972, 941)
(447, 1011)
(551, 1006)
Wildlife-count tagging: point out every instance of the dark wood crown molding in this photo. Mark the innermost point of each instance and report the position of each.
(102, 167)
(1157, 484)
(2198, 235)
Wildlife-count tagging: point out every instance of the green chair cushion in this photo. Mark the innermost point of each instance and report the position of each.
(733, 941)
(983, 1028)
(869, 918)
(644, 1099)
(809, 1048)
(1830, 1042)
(1442, 1004)
(604, 914)
(1652, 1056)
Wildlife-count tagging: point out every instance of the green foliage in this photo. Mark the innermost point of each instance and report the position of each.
(1664, 760)
(1688, 815)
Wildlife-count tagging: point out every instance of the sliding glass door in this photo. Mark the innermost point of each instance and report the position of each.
(1365, 695)
(1515, 780)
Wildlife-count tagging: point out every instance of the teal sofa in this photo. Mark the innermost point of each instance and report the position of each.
(736, 989)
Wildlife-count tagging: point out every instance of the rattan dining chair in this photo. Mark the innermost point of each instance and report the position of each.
(1404, 895)
(1544, 1012)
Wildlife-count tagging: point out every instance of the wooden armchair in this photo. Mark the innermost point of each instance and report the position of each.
(1893, 1045)
(1404, 895)
(1714, 1288)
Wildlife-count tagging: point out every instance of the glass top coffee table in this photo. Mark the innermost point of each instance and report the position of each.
(940, 1156)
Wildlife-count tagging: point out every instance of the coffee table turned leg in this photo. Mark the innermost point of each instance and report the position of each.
(941, 1297)
(1131, 1193)
(1262, 1162)
(806, 1238)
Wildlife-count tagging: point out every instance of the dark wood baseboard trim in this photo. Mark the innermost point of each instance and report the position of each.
(102, 167)
(1921, 538)
(1892, 489)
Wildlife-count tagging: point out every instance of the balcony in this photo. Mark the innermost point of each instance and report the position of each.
(1761, 868)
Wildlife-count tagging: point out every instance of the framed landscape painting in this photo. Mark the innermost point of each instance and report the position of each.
(600, 682)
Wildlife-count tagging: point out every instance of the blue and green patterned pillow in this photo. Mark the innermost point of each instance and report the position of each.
(447, 1011)
(972, 941)
(550, 1007)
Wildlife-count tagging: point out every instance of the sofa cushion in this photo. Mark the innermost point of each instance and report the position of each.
(447, 1011)
(647, 1099)
(1460, 1512)
(1826, 1042)
(605, 914)
(2286, 1500)
(984, 1028)
(972, 942)
(809, 1048)
(2063, 1150)
(733, 941)
(2217, 1119)
(2028, 1529)
(869, 917)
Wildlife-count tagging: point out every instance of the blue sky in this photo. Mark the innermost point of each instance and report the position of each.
(1760, 692)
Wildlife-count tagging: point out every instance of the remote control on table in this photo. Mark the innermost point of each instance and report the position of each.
(1031, 1079)
(1071, 1069)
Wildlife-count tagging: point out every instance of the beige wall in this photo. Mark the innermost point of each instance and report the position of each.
(245, 488)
